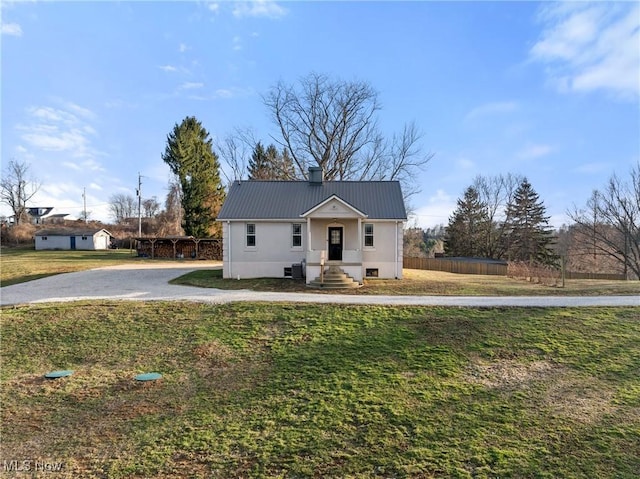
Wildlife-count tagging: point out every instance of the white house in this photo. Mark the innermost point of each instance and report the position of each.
(271, 227)
(73, 239)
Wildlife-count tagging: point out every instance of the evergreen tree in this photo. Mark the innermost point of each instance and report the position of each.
(259, 168)
(466, 231)
(189, 154)
(282, 164)
(270, 164)
(527, 236)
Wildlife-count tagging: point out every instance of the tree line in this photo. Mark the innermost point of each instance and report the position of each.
(502, 217)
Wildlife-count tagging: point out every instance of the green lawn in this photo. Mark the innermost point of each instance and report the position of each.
(421, 283)
(18, 265)
(278, 390)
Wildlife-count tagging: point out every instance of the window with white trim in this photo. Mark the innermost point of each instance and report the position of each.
(296, 235)
(251, 235)
(368, 235)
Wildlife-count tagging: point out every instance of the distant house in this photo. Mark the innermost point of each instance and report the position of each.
(72, 239)
(37, 213)
(271, 228)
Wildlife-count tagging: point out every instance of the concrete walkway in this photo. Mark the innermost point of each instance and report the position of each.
(149, 282)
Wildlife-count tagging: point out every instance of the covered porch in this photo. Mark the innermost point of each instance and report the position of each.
(334, 239)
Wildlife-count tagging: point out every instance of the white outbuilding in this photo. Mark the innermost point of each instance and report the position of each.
(73, 239)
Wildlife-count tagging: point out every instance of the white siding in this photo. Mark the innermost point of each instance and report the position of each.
(98, 241)
(386, 250)
(53, 242)
(101, 241)
(272, 253)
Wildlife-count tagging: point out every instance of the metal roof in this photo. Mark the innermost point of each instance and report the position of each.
(254, 200)
(69, 232)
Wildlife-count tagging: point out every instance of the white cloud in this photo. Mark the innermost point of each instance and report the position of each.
(492, 109)
(12, 29)
(591, 46)
(237, 43)
(465, 164)
(435, 211)
(168, 68)
(71, 166)
(119, 103)
(259, 8)
(183, 47)
(233, 92)
(190, 85)
(532, 151)
(72, 140)
(224, 94)
(79, 110)
(214, 7)
(63, 129)
(593, 168)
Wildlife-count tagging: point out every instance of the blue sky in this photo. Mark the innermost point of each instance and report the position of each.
(551, 91)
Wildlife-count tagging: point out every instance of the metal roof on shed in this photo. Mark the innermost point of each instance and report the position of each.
(289, 199)
(70, 232)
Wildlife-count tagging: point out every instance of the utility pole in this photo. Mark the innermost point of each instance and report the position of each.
(84, 200)
(139, 193)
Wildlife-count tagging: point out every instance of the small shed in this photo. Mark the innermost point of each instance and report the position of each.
(73, 239)
(179, 247)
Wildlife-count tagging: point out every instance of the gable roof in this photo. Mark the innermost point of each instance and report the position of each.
(328, 200)
(253, 200)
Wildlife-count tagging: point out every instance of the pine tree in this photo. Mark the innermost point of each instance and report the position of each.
(467, 227)
(259, 168)
(189, 154)
(527, 235)
(269, 164)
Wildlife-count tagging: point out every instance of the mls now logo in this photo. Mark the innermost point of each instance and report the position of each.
(31, 465)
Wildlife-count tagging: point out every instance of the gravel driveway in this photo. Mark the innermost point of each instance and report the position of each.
(148, 282)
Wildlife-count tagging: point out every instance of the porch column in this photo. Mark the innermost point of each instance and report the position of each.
(308, 233)
(359, 248)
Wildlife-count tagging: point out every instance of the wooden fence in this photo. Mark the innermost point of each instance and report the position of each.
(491, 268)
(456, 266)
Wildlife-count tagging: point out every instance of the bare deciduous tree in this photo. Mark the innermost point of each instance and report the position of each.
(16, 188)
(496, 192)
(122, 207)
(610, 221)
(170, 220)
(150, 207)
(235, 150)
(333, 124)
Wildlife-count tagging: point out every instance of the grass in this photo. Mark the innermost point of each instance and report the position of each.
(18, 265)
(418, 282)
(278, 390)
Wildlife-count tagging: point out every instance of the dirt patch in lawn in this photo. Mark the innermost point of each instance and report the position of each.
(562, 391)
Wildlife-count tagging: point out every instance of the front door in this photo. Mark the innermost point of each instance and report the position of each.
(335, 243)
(73, 242)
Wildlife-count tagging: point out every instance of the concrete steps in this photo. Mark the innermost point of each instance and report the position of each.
(334, 278)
